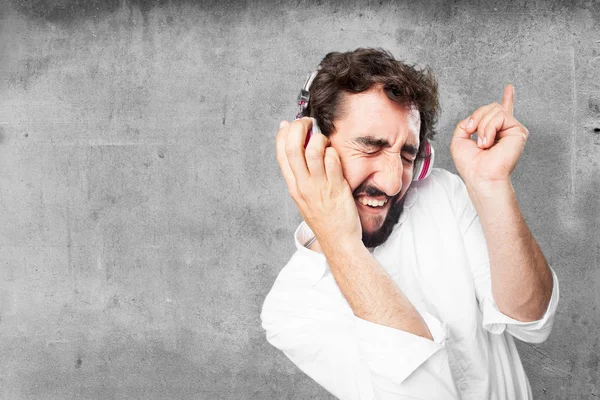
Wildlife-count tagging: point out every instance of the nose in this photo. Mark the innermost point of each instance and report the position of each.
(388, 176)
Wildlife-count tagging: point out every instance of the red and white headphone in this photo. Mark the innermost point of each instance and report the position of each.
(423, 165)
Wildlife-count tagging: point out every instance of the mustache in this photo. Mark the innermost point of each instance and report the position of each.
(369, 190)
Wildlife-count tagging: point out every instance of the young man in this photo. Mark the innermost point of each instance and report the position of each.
(412, 288)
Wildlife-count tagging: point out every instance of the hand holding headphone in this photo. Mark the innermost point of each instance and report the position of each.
(423, 165)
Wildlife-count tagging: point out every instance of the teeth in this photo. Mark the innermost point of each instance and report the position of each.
(372, 202)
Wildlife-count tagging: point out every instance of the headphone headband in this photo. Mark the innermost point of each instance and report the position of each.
(304, 95)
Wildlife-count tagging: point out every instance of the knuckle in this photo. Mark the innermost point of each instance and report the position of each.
(293, 152)
(320, 138)
(331, 158)
(313, 153)
(331, 153)
(294, 127)
(280, 158)
(302, 122)
(478, 114)
(331, 161)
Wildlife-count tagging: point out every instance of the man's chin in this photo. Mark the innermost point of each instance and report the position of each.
(377, 229)
(374, 239)
(372, 223)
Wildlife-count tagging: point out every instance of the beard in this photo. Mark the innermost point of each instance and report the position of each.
(379, 236)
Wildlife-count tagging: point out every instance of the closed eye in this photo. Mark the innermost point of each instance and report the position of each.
(371, 152)
(408, 160)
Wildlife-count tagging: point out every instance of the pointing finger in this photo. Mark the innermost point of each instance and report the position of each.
(508, 99)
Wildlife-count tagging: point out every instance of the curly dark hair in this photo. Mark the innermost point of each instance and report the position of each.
(358, 71)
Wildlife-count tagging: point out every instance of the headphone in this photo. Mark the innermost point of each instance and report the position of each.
(423, 165)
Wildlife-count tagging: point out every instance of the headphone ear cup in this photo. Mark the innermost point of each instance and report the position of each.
(418, 167)
(424, 165)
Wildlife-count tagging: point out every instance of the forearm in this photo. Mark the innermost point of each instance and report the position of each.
(521, 279)
(369, 290)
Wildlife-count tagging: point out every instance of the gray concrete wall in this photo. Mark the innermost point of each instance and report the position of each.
(143, 217)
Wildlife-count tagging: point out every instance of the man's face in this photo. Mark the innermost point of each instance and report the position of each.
(377, 140)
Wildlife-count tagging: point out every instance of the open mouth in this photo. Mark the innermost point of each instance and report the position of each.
(372, 202)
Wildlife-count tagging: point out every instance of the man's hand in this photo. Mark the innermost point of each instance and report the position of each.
(315, 181)
(500, 142)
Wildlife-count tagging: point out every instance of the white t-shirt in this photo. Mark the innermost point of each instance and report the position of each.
(438, 257)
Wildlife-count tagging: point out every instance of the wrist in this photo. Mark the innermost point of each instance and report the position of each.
(346, 245)
(484, 191)
(493, 200)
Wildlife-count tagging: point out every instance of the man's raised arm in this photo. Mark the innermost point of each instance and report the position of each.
(522, 283)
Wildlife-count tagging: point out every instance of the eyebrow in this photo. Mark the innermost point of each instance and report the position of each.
(410, 149)
(372, 141)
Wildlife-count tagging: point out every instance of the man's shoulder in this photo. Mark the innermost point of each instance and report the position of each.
(441, 192)
(442, 173)
(439, 182)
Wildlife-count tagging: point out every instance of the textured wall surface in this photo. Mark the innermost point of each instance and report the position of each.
(143, 217)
